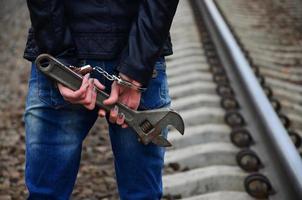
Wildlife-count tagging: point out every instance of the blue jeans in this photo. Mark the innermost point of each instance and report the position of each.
(55, 130)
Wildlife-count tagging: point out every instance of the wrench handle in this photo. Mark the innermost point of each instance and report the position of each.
(59, 72)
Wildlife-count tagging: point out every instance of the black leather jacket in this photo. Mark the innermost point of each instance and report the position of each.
(134, 31)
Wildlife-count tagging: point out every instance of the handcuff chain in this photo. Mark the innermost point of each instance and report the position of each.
(104, 73)
(119, 80)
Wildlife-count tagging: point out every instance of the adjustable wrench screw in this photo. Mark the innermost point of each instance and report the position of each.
(146, 126)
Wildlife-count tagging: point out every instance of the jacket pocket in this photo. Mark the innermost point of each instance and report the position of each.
(157, 93)
(49, 93)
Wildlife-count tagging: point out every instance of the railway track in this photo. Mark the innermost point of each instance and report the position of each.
(236, 144)
(277, 61)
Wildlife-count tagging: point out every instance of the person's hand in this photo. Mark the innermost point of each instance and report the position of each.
(122, 94)
(85, 95)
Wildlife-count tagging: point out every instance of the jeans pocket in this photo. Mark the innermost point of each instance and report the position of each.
(157, 93)
(49, 93)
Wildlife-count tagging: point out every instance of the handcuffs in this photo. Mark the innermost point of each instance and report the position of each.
(119, 79)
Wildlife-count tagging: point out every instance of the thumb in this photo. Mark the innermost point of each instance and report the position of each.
(113, 95)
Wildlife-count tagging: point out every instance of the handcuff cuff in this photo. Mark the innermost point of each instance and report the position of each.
(118, 79)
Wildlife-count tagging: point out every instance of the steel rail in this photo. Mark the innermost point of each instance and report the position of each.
(283, 165)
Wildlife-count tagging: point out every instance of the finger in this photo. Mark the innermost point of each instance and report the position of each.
(88, 98)
(98, 84)
(91, 106)
(86, 77)
(133, 104)
(74, 95)
(120, 119)
(64, 90)
(78, 95)
(81, 92)
(102, 113)
(113, 114)
(113, 96)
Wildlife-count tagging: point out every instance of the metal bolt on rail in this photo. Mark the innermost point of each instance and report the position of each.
(229, 103)
(234, 119)
(258, 186)
(276, 104)
(241, 137)
(248, 160)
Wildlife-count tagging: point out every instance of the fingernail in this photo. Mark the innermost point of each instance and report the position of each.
(121, 115)
(87, 76)
(115, 108)
(94, 89)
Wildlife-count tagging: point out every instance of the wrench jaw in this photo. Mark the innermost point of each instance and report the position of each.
(151, 123)
(147, 132)
(171, 119)
(161, 141)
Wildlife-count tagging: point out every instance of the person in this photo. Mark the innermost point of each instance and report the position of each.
(129, 38)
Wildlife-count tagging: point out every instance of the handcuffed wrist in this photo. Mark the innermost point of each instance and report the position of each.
(125, 80)
(134, 82)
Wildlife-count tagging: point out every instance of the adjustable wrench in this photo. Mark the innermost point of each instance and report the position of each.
(147, 124)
